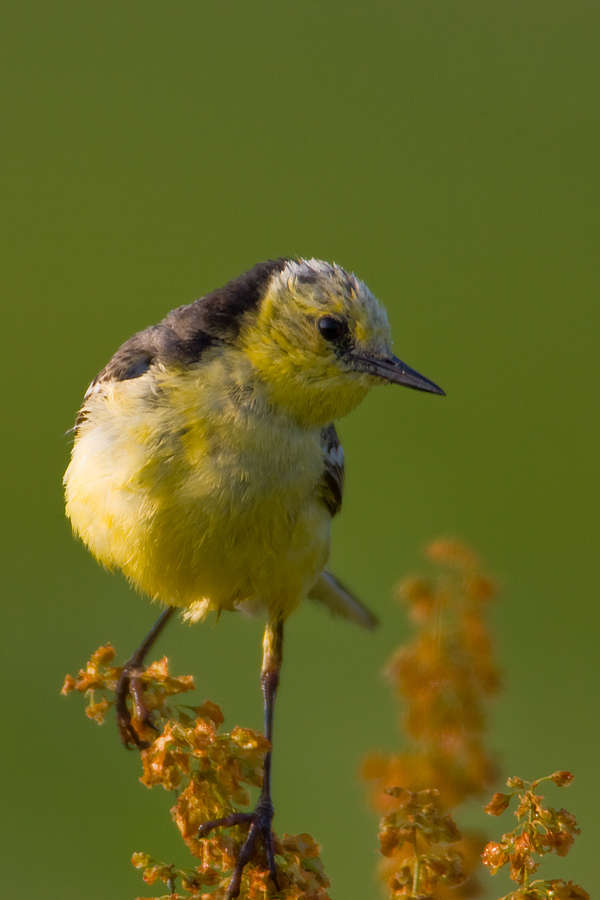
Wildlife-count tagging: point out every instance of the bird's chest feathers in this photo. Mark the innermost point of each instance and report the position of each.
(245, 454)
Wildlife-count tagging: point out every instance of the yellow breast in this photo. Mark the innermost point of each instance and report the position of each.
(199, 491)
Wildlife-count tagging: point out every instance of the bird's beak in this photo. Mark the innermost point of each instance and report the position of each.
(394, 371)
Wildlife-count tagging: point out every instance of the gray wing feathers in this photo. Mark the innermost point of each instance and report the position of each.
(328, 590)
(340, 602)
(331, 486)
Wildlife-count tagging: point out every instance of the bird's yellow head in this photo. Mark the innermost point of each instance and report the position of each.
(320, 341)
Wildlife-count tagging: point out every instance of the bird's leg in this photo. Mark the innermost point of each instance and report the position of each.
(129, 684)
(260, 820)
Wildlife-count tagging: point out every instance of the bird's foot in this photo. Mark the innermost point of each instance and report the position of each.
(130, 685)
(260, 822)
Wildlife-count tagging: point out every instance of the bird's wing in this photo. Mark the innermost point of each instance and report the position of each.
(331, 485)
(185, 333)
(328, 590)
(159, 343)
(131, 360)
(340, 602)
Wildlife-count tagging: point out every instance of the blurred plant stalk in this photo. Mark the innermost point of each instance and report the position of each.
(443, 680)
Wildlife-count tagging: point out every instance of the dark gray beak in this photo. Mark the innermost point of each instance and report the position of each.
(394, 371)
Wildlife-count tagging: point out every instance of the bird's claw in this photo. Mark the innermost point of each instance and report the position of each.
(130, 685)
(260, 822)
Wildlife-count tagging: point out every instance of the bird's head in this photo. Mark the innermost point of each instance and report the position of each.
(320, 341)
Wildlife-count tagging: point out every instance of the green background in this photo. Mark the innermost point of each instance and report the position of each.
(447, 152)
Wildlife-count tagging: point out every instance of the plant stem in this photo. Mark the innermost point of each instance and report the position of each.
(417, 872)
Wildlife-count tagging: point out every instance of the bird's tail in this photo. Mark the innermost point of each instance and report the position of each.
(340, 602)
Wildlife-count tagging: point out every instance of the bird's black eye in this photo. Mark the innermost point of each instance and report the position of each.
(332, 329)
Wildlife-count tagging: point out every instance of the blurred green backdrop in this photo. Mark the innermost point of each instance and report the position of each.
(448, 154)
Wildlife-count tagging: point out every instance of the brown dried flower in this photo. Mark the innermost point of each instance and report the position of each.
(540, 830)
(443, 679)
(213, 773)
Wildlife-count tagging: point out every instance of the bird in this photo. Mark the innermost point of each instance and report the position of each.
(206, 465)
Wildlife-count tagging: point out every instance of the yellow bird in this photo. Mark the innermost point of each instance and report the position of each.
(207, 468)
